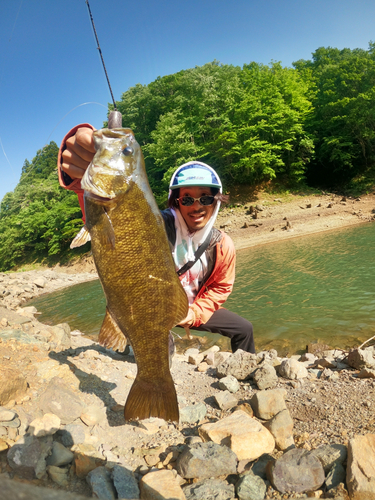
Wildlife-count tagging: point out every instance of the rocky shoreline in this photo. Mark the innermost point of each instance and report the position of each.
(18, 288)
(251, 426)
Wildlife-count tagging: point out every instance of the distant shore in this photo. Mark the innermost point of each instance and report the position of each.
(278, 219)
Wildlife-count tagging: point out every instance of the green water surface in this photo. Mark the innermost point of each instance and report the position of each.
(314, 288)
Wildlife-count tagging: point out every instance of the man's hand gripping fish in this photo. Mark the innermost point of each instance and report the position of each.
(144, 296)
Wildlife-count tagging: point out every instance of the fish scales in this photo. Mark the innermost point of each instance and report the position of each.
(144, 296)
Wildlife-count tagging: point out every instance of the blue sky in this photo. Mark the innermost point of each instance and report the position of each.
(49, 63)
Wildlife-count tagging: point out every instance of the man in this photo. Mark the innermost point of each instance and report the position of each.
(194, 200)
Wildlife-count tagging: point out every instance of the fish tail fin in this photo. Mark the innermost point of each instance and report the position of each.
(82, 237)
(152, 399)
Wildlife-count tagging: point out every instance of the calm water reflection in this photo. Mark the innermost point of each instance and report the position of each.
(319, 287)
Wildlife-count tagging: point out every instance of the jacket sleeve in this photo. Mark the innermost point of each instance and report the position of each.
(219, 285)
(65, 181)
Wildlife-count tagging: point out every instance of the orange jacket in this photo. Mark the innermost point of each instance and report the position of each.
(218, 285)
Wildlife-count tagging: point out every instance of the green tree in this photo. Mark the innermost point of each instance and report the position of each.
(343, 124)
(38, 218)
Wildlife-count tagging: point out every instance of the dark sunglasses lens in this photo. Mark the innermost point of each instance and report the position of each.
(206, 200)
(186, 201)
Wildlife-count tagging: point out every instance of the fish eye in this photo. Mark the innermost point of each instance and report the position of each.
(127, 151)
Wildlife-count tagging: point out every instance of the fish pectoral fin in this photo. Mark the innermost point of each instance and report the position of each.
(107, 233)
(110, 335)
(81, 238)
(152, 399)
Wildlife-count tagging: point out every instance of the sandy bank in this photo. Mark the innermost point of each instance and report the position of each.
(275, 219)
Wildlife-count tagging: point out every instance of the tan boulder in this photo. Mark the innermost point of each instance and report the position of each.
(281, 428)
(161, 485)
(13, 384)
(360, 471)
(267, 404)
(244, 435)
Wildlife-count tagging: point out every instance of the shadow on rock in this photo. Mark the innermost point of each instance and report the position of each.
(61, 400)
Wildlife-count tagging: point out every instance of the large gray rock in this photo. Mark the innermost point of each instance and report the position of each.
(60, 455)
(60, 338)
(229, 383)
(241, 365)
(204, 460)
(125, 483)
(360, 358)
(329, 454)
(360, 470)
(59, 399)
(335, 476)
(193, 413)
(259, 468)
(220, 357)
(251, 487)
(40, 282)
(266, 377)
(266, 404)
(28, 456)
(213, 489)
(292, 369)
(225, 400)
(101, 483)
(298, 471)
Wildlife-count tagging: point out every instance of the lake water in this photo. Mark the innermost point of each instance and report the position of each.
(314, 288)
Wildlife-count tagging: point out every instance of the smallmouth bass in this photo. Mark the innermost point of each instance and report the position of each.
(144, 296)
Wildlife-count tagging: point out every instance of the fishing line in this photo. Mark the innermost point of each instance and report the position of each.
(100, 52)
(46, 144)
(79, 105)
(7, 159)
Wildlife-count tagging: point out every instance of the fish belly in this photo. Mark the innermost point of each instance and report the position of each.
(144, 295)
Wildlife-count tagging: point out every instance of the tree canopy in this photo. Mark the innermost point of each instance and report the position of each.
(312, 123)
(38, 219)
(343, 122)
(247, 123)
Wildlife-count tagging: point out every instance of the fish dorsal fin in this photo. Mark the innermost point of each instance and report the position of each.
(110, 335)
(182, 305)
(81, 238)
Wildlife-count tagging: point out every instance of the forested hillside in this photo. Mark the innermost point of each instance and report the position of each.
(313, 123)
(38, 219)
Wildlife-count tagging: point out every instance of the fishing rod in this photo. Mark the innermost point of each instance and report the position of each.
(115, 117)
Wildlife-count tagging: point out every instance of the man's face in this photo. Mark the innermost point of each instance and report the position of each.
(196, 216)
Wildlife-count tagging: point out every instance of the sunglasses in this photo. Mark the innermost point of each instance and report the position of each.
(187, 201)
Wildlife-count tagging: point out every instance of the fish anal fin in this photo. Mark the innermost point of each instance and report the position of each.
(110, 335)
(152, 399)
(82, 237)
